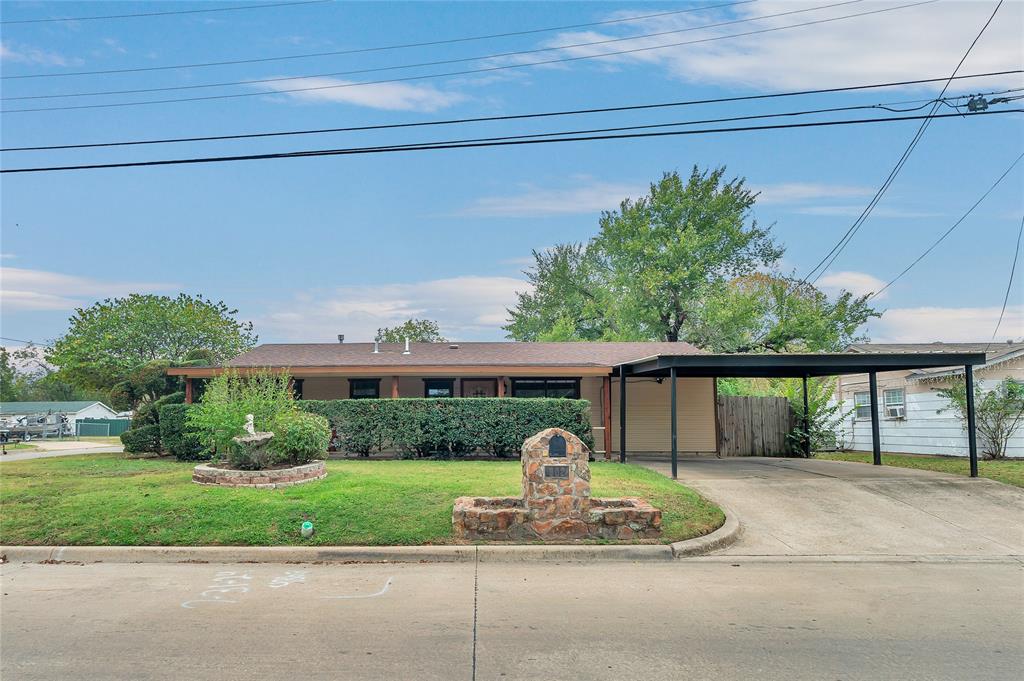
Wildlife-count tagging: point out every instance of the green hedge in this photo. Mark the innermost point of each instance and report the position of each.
(143, 439)
(448, 426)
(175, 438)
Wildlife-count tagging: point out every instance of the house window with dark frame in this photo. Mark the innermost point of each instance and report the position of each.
(862, 405)
(439, 387)
(364, 388)
(546, 387)
(895, 403)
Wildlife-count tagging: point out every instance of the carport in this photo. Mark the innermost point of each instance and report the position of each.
(794, 365)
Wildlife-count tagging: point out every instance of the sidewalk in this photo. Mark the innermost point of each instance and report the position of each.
(46, 449)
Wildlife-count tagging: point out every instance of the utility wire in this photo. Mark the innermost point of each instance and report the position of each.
(468, 71)
(362, 50)
(1009, 284)
(460, 60)
(490, 142)
(161, 14)
(949, 231)
(841, 245)
(546, 114)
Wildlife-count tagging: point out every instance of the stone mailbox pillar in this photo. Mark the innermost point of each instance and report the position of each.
(556, 477)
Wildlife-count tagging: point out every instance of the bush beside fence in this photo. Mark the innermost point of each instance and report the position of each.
(440, 426)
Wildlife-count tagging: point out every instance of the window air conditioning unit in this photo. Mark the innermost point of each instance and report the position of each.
(896, 412)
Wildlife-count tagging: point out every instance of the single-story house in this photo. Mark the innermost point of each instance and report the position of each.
(11, 413)
(640, 418)
(915, 418)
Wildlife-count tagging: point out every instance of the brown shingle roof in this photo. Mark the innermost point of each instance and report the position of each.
(443, 354)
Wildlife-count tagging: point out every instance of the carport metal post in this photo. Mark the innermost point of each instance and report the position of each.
(972, 438)
(807, 424)
(622, 413)
(876, 438)
(675, 428)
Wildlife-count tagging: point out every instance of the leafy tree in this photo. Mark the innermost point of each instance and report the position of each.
(416, 330)
(9, 387)
(107, 341)
(824, 415)
(998, 413)
(25, 377)
(686, 262)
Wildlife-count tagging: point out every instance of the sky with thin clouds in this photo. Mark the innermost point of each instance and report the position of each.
(310, 248)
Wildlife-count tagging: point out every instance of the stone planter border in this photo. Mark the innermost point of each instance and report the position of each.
(205, 474)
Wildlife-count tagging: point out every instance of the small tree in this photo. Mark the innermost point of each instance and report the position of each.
(998, 412)
(823, 414)
(417, 330)
(229, 397)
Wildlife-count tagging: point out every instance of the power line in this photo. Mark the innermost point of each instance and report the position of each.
(490, 142)
(467, 71)
(1009, 284)
(383, 48)
(949, 231)
(18, 340)
(160, 14)
(546, 114)
(442, 62)
(843, 242)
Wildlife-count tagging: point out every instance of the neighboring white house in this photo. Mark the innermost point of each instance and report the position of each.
(12, 412)
(914, 418)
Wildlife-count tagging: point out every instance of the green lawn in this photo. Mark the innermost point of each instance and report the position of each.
(1010, 471)
(107, 499)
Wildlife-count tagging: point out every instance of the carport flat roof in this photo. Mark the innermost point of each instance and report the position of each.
(796, 365)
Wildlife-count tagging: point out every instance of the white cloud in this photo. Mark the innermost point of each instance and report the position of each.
(388, 96)
(24, 289)
(857, 283)
(794, 192)
(905, 44)
(23, 54)
(467, 308)
(532, 201)
(951, 324)
(856, 210)
(7, 256)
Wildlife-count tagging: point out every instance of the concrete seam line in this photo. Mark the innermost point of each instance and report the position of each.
(725, 536)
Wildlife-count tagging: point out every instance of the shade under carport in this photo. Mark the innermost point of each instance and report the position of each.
(803, 366)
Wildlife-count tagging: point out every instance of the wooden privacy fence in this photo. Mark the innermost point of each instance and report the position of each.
(754, 426)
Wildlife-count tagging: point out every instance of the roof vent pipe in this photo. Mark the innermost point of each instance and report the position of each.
(376, 347)
(407, 352)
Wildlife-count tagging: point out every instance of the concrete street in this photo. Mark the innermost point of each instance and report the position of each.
(45, 449)
(845, 571)
(703, 618)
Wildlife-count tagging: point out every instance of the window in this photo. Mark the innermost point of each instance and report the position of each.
(895, 404)
(862, 403)
(364, 388)
(546, 387)
(439, 387)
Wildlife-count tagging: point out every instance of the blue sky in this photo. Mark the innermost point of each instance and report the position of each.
(309, 248)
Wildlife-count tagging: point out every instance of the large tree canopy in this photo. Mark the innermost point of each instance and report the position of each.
(686, 262)
(416, 330)
(107, 341)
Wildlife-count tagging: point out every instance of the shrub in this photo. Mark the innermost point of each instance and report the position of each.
(143, 439)
(176, 438)
(449, 427)
(251, 456)
(227, 400)
(300, 437)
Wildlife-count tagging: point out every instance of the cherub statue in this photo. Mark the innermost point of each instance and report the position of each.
(250, 427)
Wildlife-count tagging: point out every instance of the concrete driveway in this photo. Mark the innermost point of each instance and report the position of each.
(807, 507)
(49, 448)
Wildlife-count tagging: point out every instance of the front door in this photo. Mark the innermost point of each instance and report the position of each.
(479, 387)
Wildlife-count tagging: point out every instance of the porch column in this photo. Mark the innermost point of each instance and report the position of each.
(394, 387)
(188, 390)
(675, 429)
(972, 437)
(501, 386)
(606, 416)
(876, 438)
(622, 413)
(807, 424)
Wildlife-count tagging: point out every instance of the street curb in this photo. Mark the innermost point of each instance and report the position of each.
(342, 554)
(726, 535)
